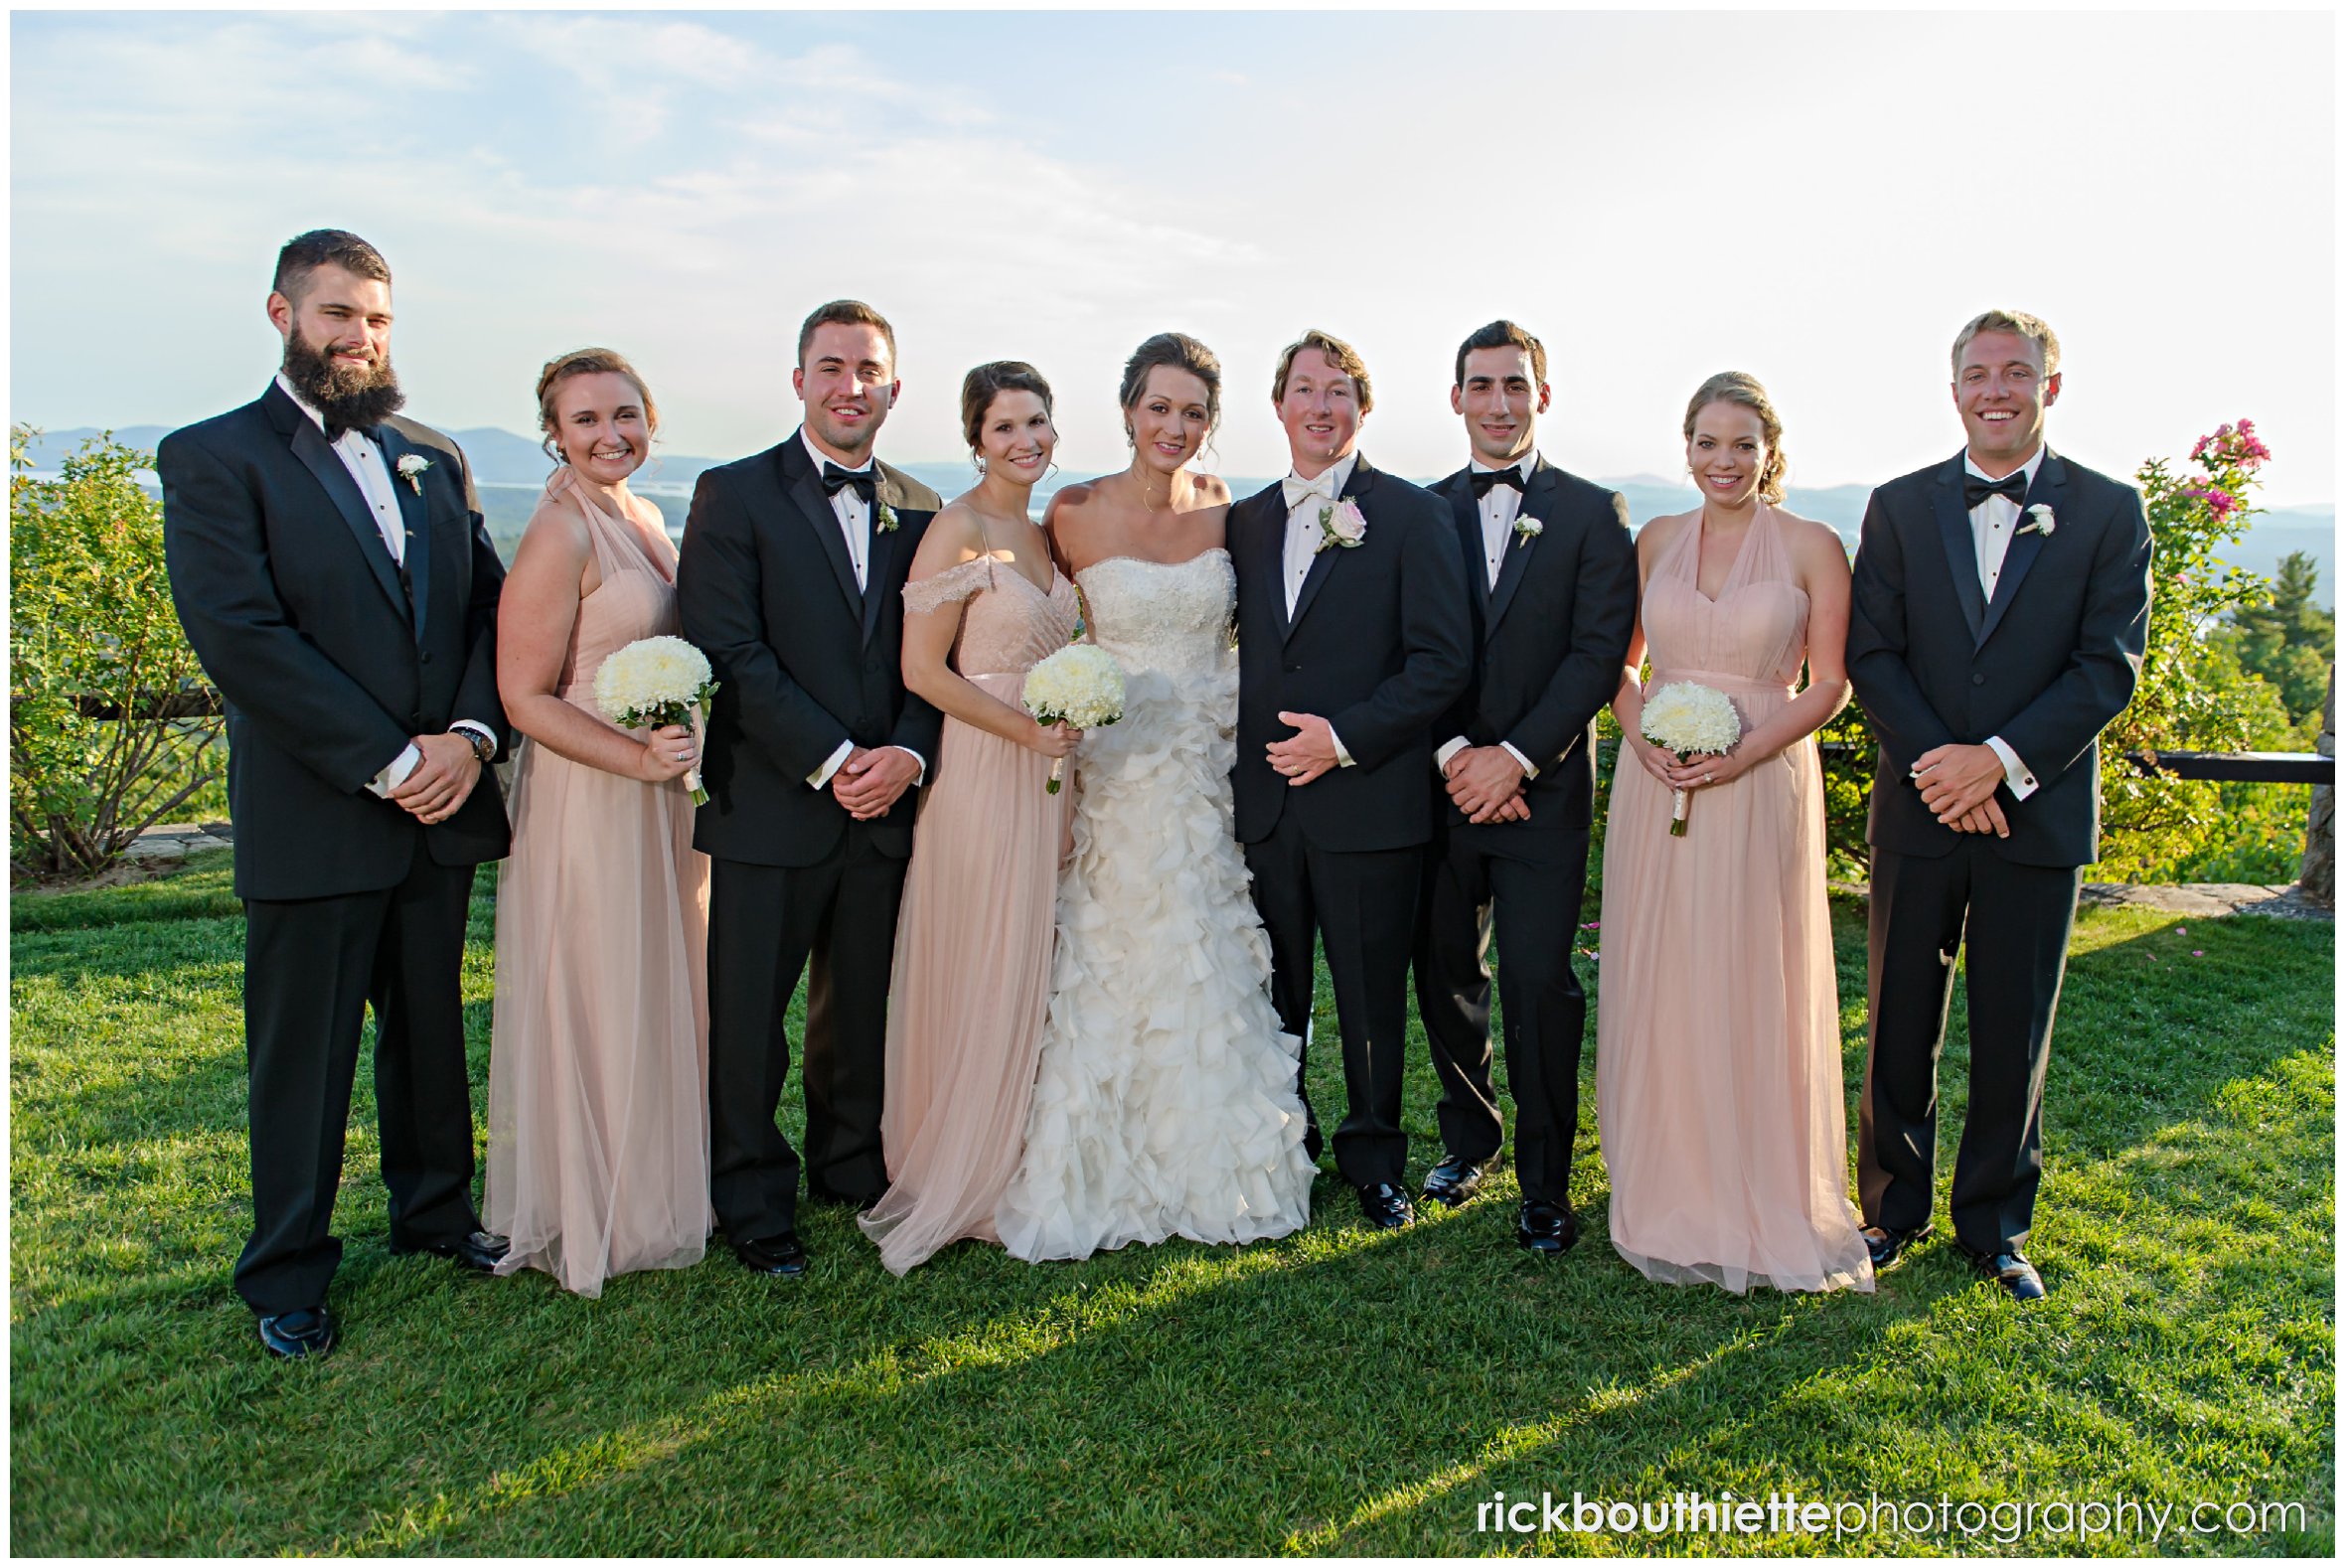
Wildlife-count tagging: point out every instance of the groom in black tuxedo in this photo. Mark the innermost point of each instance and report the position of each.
(1551, 575)
(791, 580)
(330, 566)
(1352, 639)
(2000, 606)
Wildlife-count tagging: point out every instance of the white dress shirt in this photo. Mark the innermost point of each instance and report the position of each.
(1499, 507)
(363, 459)
(855, 526)
(1303, 544)
(1993, 525)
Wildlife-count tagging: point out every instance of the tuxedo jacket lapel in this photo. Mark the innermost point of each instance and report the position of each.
(1962, 547)
(1537, 501)
(1322, 560)
(880, 552)
(806, 488)
(325, 465)
(1467, 511)
(415, 518)
(2050, 488)
(1258, 551)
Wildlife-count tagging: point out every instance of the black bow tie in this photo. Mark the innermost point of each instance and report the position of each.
(1483, 479)
(334, 432)
(2012, 486)
(835, 479)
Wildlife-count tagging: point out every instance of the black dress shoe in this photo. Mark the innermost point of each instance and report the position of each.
(477, 1250)
(2015, 1274)
(780, 1256)
(303, 1332)
(1452, 1182)
(1886, 1247)
(1387, 1206)
(1546, 1228)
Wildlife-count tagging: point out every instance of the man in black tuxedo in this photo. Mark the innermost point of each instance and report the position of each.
(1551, 575)
(1352, 639)
(792, 582)
(2000, 608)
(332, 570)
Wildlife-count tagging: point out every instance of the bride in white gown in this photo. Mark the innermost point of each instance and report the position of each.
(1165, 1103)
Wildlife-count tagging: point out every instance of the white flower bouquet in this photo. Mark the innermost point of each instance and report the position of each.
(1080, 684)
(655, 682)
(1686, 719)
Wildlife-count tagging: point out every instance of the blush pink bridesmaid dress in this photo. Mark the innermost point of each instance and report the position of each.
(598, 1107)
(974, 942)
(1718, 1084)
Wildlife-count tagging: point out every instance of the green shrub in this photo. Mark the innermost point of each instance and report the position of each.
(98, 747)
(2194, 696)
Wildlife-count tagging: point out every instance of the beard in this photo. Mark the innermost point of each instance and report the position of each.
(348, 396)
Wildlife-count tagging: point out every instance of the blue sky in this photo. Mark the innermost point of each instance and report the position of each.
(1818, 198)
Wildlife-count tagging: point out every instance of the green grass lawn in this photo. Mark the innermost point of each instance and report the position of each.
(1340, 1391)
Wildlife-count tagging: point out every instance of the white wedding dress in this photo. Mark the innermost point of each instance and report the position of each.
(1165, 1103)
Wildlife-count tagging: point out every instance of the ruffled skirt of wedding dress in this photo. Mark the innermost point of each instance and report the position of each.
(1166, 1101)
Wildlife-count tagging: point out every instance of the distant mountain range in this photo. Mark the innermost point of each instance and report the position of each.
(510, 468)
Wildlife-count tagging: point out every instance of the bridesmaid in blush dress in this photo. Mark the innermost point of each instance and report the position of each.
(599, 1118)
(1718, 1030)
(973, 947)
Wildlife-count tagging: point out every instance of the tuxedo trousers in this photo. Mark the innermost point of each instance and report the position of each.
(1532, 882)
(1363, 905)
(833, 921)
(312, 969)
(2012, 922)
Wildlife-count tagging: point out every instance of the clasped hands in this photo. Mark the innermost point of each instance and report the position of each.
(871, 779)
(1307, 753)
(1486, 783)
(1957, 784)
(442, 782)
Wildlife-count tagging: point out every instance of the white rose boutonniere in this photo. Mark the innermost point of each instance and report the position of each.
(1341, 524)
(411, 468)
(2039, 521)
(1526, 529)
(884, 518)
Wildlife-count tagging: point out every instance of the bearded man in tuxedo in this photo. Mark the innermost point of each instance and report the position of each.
(1353, 641)
(791, 580)
(2000, 606)
(330, 564)
(1551, 573)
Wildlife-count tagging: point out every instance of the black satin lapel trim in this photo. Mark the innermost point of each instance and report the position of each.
(815, 507)
(1466, 513)
(325, 465)
(415, 517)
(1320, 565)
(875, 564)
(1262, 550)
(1537, 502)
(2050, 488)
(1962, 550)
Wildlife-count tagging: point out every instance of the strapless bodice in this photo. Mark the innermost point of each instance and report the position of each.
(1172, 617)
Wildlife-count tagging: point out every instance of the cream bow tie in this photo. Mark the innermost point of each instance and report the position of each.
(1296, 489)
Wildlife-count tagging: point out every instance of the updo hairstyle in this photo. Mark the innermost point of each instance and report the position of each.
(1737, 387)
(586, 362)
(1182, 352)
(988, 380)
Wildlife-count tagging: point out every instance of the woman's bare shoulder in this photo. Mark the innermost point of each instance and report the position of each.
(1660, 531)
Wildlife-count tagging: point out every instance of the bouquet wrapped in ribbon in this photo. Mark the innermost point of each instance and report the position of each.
(655, 682)
(1080, 684)
(1689, 719)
